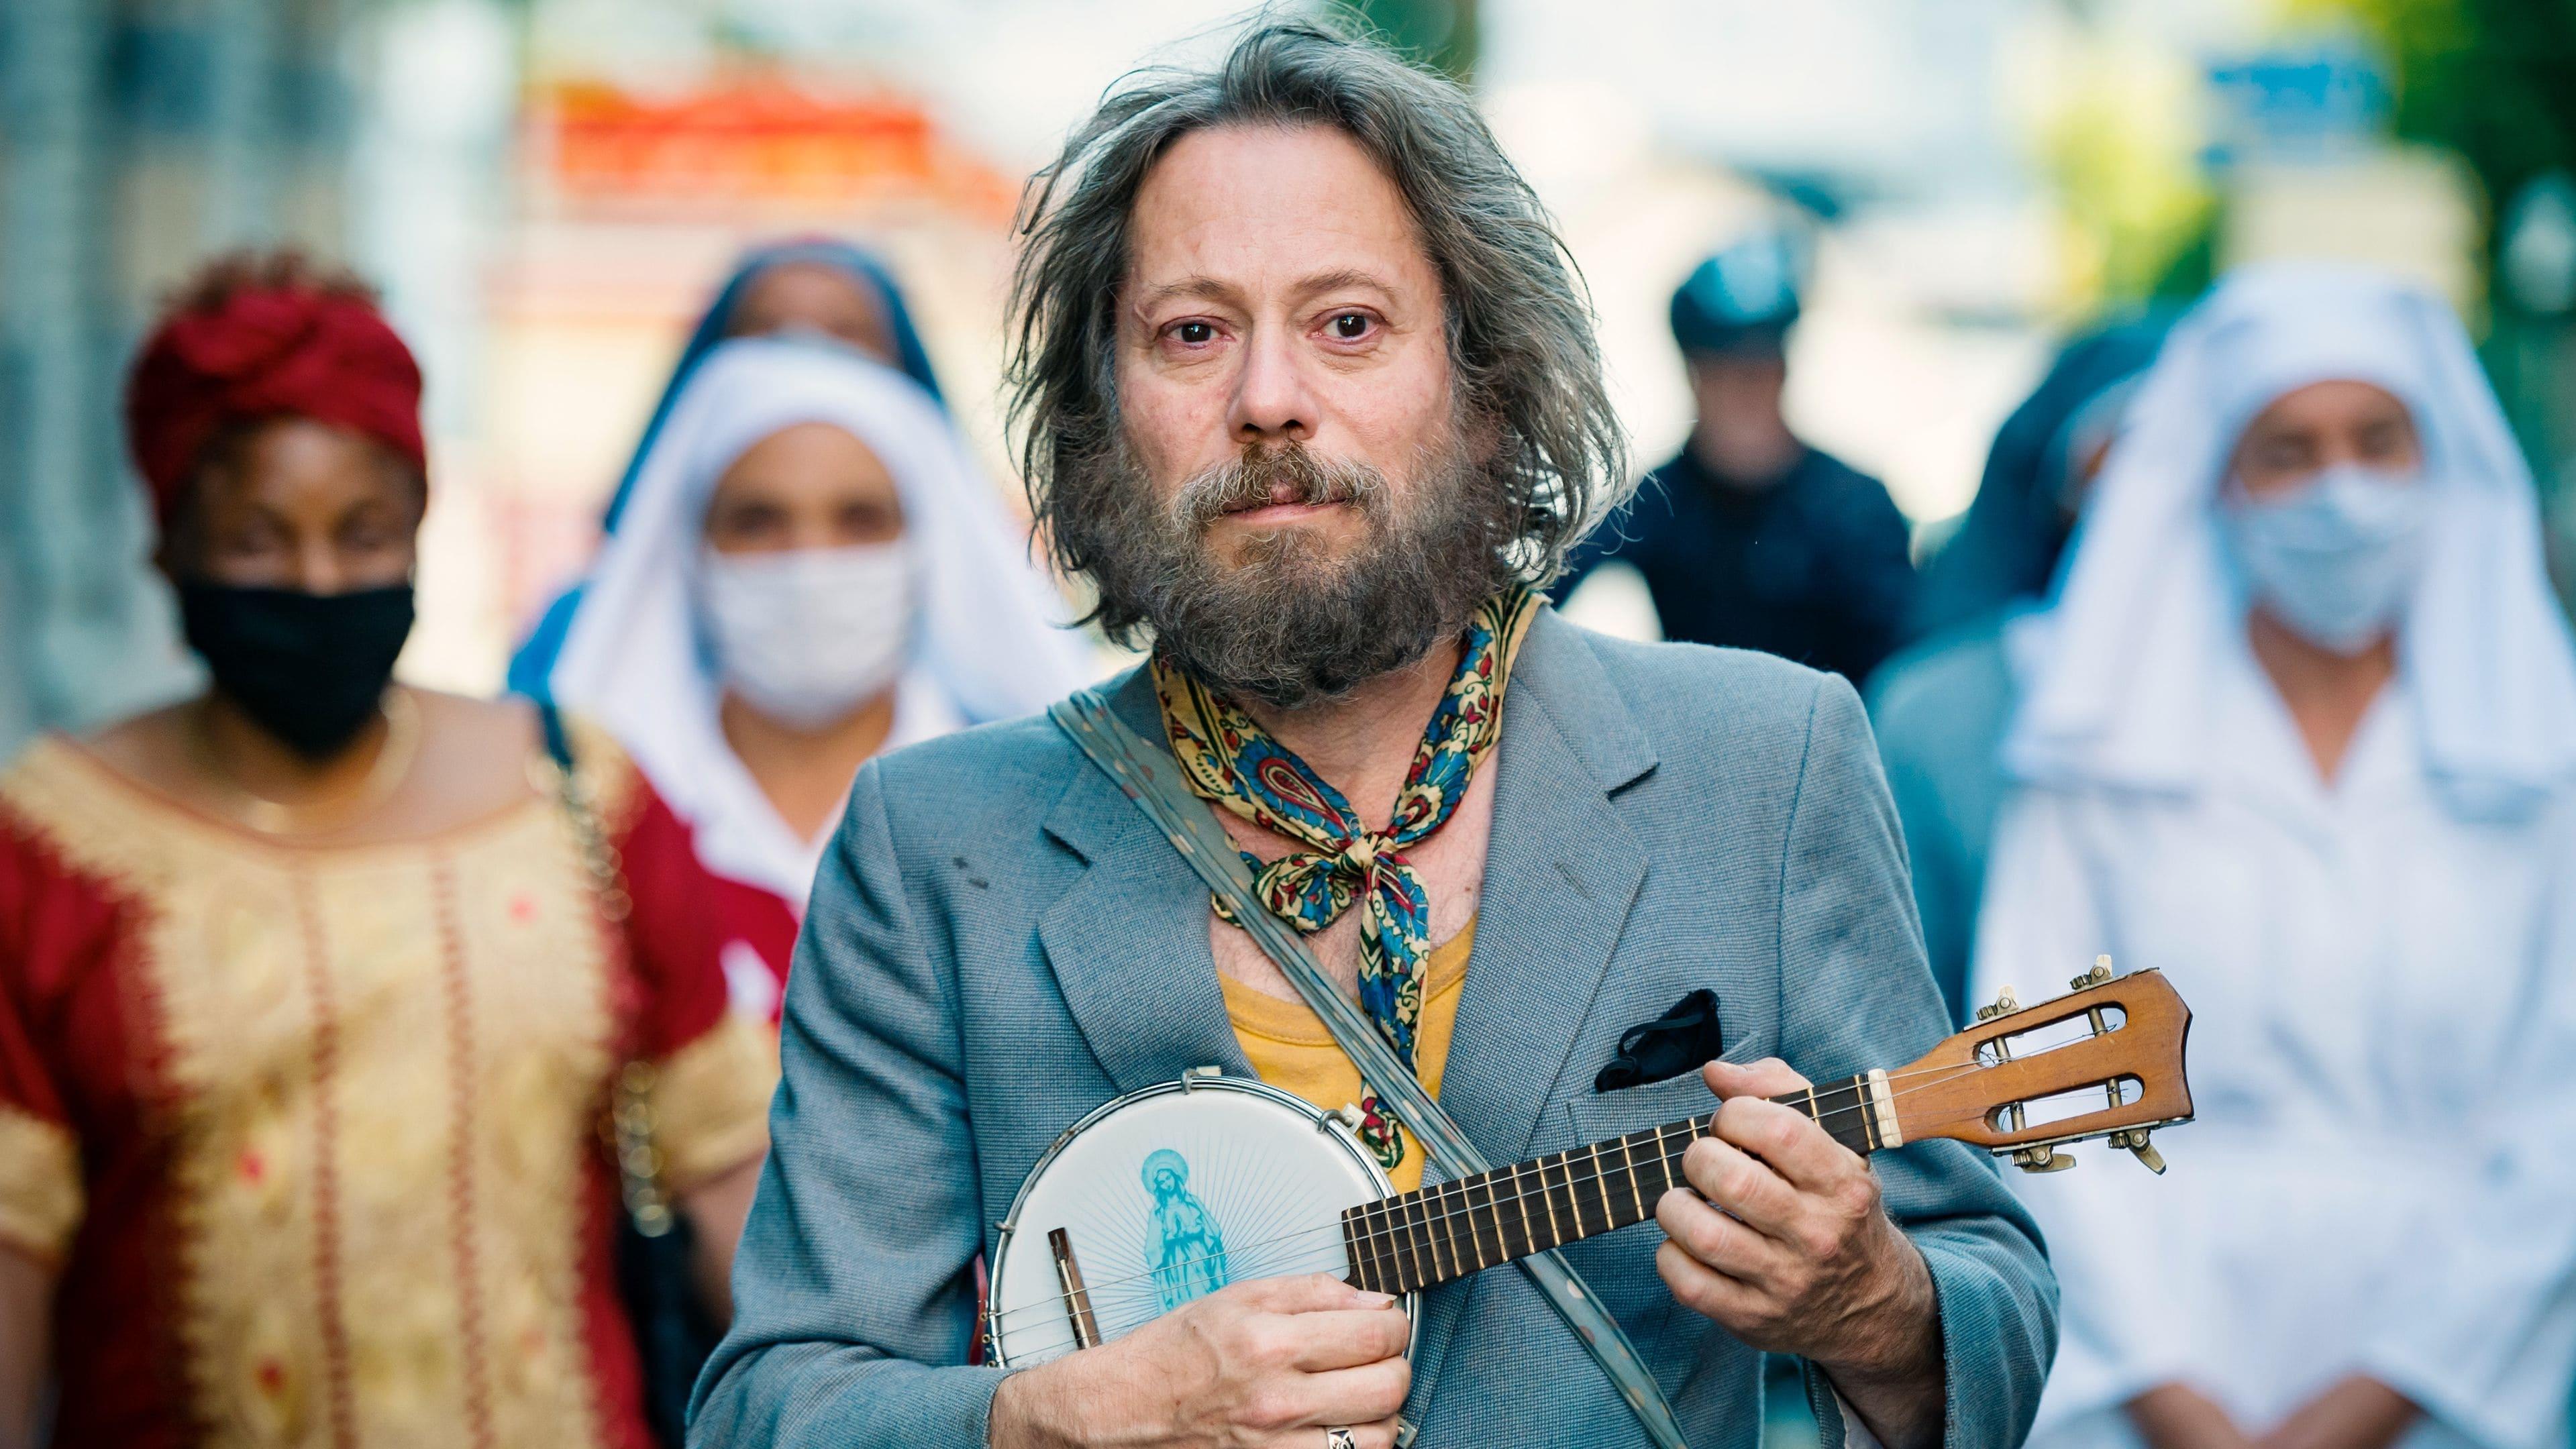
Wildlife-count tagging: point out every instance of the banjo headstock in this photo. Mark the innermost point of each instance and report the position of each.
(2104, 1060)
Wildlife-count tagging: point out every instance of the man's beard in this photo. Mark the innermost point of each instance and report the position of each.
(1288, 622)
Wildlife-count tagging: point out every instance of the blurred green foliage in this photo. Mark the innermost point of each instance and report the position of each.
(1437, 33)
(2119, 139)
(2494, 80)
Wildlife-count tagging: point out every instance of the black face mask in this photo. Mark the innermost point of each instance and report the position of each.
(309, 668)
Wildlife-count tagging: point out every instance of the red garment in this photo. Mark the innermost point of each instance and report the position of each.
(312, 1134)
(267, 352)
(759, 928)
(762, 925)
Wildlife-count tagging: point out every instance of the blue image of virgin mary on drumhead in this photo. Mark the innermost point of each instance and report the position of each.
(1183, 1241)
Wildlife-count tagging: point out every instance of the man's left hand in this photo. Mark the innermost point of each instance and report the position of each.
(1803, 1259)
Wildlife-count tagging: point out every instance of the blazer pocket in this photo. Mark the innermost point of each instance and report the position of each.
(1599, 1115)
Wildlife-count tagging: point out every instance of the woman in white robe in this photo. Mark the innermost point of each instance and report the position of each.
(2301, 733)
(809, 571)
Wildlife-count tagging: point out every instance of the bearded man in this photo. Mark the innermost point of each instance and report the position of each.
(1310, 397)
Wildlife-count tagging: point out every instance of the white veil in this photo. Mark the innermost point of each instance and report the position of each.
(2116, 686)
(988, 646)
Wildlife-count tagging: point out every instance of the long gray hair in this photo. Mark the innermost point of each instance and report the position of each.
(1519, 322)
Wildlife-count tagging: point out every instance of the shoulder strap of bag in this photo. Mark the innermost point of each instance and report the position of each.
(630, 1115)
(1145, 774)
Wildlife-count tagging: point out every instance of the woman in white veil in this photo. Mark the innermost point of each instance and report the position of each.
(809, 571)
(2301, 732)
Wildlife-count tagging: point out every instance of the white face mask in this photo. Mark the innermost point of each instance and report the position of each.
(808, 635)
(2336, 560)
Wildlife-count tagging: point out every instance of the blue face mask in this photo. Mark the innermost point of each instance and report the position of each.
(2337, 559)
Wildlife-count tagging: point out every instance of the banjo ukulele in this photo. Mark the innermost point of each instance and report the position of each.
(1168, 1194)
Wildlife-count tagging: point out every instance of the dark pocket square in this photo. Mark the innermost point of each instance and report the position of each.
(1678, 1041)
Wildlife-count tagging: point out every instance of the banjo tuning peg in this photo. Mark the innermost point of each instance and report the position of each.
(2043, 1158)
(2100, 973)
(2136, 1141)
(2002, 1005)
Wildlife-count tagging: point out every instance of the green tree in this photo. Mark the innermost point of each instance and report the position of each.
(1437, 33)
(2494, 80)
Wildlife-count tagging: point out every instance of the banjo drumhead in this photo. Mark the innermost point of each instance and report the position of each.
(1169, 1195)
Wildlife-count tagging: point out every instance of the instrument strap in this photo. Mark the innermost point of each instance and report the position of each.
(1147, 775)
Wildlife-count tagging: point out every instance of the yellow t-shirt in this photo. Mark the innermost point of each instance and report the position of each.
(1288, 1045)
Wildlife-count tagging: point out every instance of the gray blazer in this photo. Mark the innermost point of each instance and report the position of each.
(999, 941)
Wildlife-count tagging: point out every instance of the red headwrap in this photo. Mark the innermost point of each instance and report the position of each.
(263, 352)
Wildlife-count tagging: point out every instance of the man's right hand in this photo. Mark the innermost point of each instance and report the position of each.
(1269, 1364)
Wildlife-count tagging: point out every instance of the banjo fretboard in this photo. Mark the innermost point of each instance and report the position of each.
(1448, 1230)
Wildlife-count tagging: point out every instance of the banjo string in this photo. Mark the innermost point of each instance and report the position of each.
(1604, 1178)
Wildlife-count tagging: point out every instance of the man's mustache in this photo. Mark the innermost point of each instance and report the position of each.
(1263, 477)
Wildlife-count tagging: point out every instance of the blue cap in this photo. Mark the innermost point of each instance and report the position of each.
(1744, 299)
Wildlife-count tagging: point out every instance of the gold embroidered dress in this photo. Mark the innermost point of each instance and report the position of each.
(312, 1134)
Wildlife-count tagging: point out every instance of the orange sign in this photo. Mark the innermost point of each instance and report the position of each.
(754, 138)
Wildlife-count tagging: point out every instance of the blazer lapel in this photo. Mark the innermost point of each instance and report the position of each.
(1561, 871)
(1129, 942)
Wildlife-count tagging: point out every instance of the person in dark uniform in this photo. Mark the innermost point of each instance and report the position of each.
(1751, 537)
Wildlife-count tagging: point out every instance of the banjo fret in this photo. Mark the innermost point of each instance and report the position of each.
(1557, 1236)
(1427, 1213)
(1392, 1244)
(1460, 1217)
(1445, 1223)
(1482, 1262)
(1398, 1240)
(1555, 1233)
(1629, 1162)
(1463, 1213)
(1365, 1272)
(1467, 1197)
(1417, 1214)
(1388, 1243)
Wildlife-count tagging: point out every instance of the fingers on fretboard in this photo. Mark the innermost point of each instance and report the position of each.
(1855, 1111)
(1448, 1230)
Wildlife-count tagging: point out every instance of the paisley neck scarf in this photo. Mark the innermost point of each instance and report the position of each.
(1233, 762)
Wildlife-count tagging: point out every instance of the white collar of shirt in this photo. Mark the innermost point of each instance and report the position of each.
(738, 832)
(2256, 751)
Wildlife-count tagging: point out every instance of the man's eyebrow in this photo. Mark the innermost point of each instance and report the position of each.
(1339, 278)
(1207, 289)
(1210, 289)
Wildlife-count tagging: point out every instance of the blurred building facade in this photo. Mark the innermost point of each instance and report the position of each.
(135, 138)
(547, 189)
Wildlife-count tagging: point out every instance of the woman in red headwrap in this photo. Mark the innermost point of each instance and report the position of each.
(314, 989)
